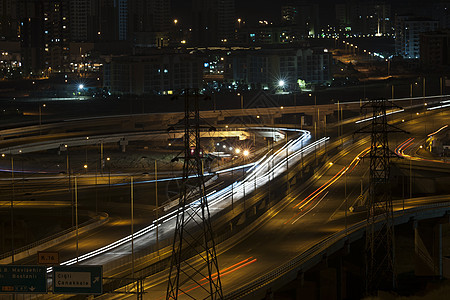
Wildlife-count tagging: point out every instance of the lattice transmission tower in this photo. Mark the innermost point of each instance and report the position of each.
(379, 245)
(194, 270)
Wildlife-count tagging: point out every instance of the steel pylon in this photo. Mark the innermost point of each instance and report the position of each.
(379, 244)
(194, 270)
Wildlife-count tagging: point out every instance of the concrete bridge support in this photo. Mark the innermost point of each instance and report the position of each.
(320, 121)
(326, 282)
(123, 144)
(428, 248)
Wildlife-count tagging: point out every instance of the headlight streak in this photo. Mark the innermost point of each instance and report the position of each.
(401, 99)
(257, 169)
(437, 107)
(387, 114)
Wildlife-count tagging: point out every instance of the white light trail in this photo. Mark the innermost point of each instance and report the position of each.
(387, 114)
(258, 174)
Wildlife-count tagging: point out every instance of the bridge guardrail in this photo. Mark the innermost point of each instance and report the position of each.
(315, 250)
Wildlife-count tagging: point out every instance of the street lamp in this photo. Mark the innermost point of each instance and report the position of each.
(108, 159)
(157, 206)
(242, 100)
(388, 66)
(315, 122)
(281, 85)
(12, 206)
(40, 117)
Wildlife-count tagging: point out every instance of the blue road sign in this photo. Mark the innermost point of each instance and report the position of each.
(23, 279)
(77, 280)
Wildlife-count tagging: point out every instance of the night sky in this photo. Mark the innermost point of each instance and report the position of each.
(253, 9)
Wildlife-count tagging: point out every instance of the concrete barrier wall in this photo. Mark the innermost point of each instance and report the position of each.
(102, 218)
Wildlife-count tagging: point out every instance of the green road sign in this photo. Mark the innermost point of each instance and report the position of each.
(23, 279)
(77, 279)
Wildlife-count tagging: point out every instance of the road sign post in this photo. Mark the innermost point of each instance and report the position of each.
(77, 280)
(23, 279)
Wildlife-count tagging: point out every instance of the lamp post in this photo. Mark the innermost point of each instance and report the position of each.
(108, 159)
(232, 183)
(338, 124)
(76, 215)
(132, 226)
(388, 67)
(314, 116)
(245, 154)
(157, 206)
(315, 128)
(287, 162)
(242, 100)
(12, 208)
(40, 117)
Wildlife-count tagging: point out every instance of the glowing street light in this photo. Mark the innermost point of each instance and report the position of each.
(281, 83)
(246, 153)
(80, 86)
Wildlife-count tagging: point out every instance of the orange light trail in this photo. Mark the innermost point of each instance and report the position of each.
(319, 190)
(308, 200)
(437, 131)
(224, 272)
(400, 150)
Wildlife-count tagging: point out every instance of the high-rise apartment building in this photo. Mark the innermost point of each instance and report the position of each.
(31, 35)
(301, 16)
(435, 49)
(289, 14)
(149, 22)
(213, 22)
(44, 35)
(80, 20)
(407, 34)
(364, 17)
(308, 18)
(105, 20)
(8, 20)
(56, 35)
(122, 12)
(226, 20)
(160, 13)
